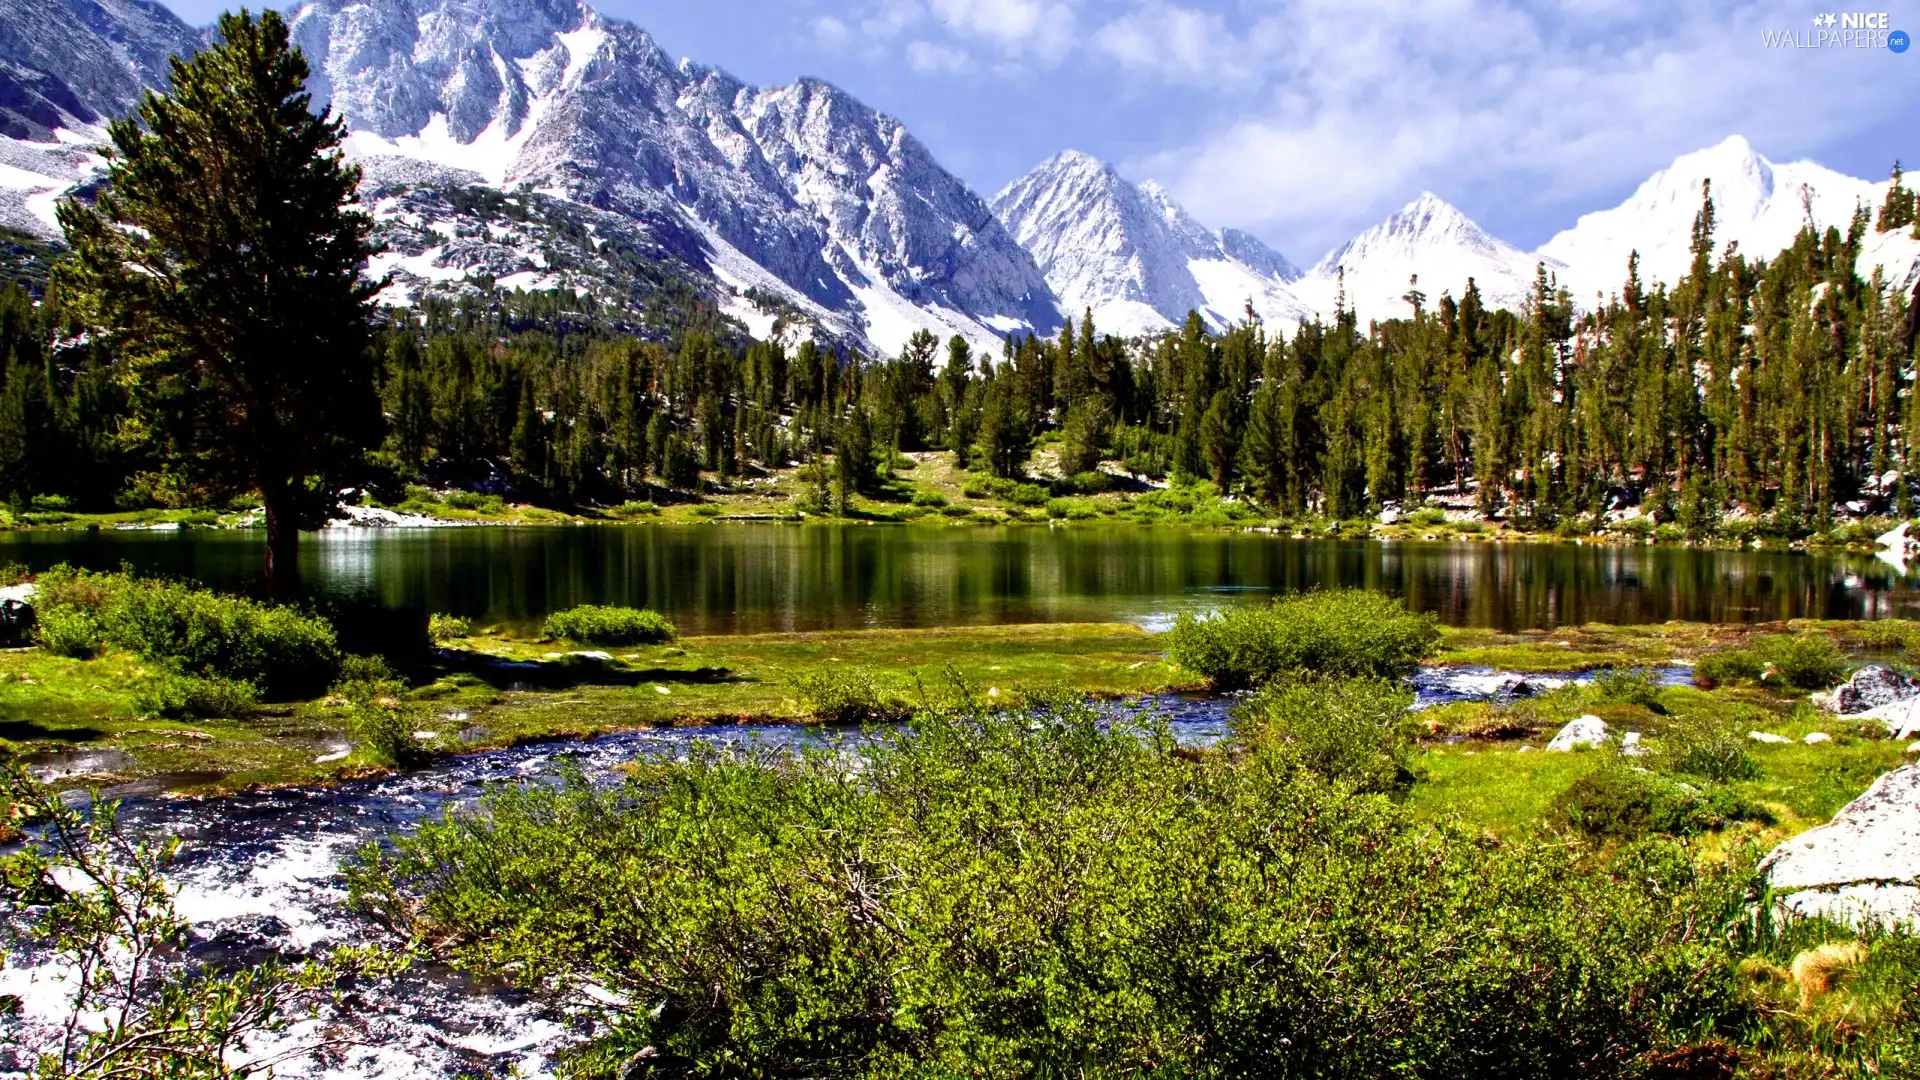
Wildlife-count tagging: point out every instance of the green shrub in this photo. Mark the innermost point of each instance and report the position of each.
(1356, 732)
(840, 694)
(1637, 686)
(426, 496)
(283, 652)
(708, 510)
(52, 517)
(448, 627)
(50, 502)
(1469, 527)
(1618, 800)
(1806, 661)
(67, 631)
(1059, 508)
(1427, 517)
(598, 625)
(466, 500)
(1345, 633)
(1091, 482)
(977, 487)
(1028, 495)
(636, 509)
(1727, 666)
(182, 697)
(1639, 527)
(1711, 749)
(1054, 892)
(200, 519)
(931, 499)
(956, 511)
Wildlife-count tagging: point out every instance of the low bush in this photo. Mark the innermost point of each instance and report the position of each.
(447, 627)
(1091, 482)
(67, 631)
(193, 697)
(593, 624)
(837, 694)
(1636, 686)
(283, 652)
(1028, 495)
(1347, 633)
(1051, 892)
(955, 511)
(1469, 527)
(636, 509)
(1711, 749)
(931, 499)
(1618, 800)
(1356, 732)
(1427, 516)
(1809, 661)
(466, 500)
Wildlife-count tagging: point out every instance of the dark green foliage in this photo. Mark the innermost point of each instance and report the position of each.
(1618, 800)
(610, 625)
(1333, 634)
(223, 258)
(67, 631)
(283, 652)
(1358, 733)
(1803, 661)
(442, 627)
(1049, 893)
(181, 697)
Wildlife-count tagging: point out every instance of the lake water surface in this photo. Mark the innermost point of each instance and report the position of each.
(755, 577)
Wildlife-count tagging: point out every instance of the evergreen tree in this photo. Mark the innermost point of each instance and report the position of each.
(224, 259)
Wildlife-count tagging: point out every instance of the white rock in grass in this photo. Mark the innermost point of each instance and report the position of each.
(1815, 737)
(1901, 717)
(1586, 730)
(1630, 745)
(1864, 864)
(1767, 737)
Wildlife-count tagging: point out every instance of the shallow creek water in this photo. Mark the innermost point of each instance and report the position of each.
(259, 876)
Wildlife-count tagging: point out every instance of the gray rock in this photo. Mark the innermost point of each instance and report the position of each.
(1864, 864)
(1902, 718)
(1871, 687)
(1586, 730)
(1631, 746)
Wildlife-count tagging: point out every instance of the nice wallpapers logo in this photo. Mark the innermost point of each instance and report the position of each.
(1845, 30)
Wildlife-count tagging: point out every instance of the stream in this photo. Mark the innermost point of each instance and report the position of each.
(259, 876)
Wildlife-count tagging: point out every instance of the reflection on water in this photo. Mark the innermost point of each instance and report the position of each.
(734, 578)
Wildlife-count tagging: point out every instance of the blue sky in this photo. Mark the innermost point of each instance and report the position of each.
(1306, 120)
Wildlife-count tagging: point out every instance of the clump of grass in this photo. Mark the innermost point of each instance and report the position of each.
(448, 627)
(66, 631)
(1714, 750)
(597, 625)
(1636, 686)
(1334, 634)
(1808, 661)
(838, 694)
(1356, 732)
(179, 697)
(637, 509)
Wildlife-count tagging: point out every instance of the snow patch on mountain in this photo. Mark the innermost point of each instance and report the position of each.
(1758, 205)
(1132, 256)
(1427, 245)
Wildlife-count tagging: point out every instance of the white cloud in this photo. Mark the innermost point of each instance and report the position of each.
(1339, 111)
(932, 57)
(831, 32)
(1018, 27)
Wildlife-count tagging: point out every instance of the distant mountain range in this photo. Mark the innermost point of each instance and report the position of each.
(798, 209)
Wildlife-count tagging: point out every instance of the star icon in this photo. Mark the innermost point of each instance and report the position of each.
(1830, 20)
(1819, 20)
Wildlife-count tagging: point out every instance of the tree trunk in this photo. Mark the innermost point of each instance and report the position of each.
(283, 544)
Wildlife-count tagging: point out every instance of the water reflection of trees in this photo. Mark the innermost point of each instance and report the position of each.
(722, 578)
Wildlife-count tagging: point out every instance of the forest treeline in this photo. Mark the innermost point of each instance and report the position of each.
(1779, 387)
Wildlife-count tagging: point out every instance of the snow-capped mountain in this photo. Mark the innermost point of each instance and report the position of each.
(1757, 204)
(1428, 240)
(66, 68)
(1133, 257)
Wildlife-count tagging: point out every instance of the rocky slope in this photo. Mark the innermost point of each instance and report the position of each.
(1133, 257)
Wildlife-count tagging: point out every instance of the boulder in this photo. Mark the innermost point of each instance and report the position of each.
(1586, 730)
(16, 623)
(1901, 717)
(1815, 737)
(1630, 745)
(1767, 737)
(1871, 687)
(1864, 865)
